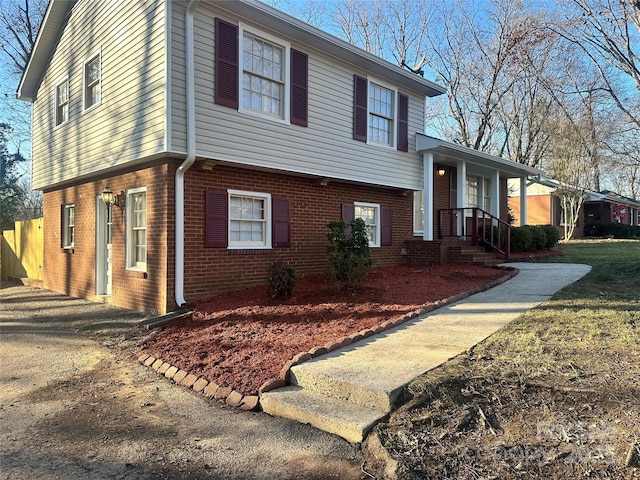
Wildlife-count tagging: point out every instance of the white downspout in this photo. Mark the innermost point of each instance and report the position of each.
(191, 152)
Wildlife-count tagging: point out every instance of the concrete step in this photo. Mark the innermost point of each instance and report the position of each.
(350, 421)
(352, 390)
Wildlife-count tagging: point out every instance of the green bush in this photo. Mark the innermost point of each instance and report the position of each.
(521, 239)
(539, 238)
(614, 230)
(348, 254)
(282, 279)
(552, 234)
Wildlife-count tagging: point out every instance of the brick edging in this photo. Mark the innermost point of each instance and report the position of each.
(238, 400)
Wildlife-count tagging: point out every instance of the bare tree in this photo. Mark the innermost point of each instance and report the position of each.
(608, 33)
(475, 53)
(19, 24)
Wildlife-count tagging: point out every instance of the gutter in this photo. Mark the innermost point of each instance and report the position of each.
(191, 153)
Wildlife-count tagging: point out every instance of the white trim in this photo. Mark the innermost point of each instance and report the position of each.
(55, 102)
(267, 221)
(89, 59)
(427, 196)
(140, 266)
(67, 243)
(167, 76)
(286, 80)
(373, 242)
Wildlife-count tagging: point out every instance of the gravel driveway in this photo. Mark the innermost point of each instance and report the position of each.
(75, 404)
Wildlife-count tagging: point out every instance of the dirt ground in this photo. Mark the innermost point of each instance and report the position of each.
(74, 404)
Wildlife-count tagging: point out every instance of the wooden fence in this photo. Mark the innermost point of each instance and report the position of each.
(22, 250)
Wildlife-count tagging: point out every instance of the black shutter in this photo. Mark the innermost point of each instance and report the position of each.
(403, 122)
(216, 218)
(348, 215)
(226, 64)
(299, 88)
(281, 222)
(385, 232)
(359, 108)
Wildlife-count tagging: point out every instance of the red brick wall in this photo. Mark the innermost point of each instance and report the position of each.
(72, 272)
(312, 206)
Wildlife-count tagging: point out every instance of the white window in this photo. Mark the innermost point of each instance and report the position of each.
(92, 82)
(473, 191)
(486, 194)
(62, 101)
(264, 73)
(370, 213)
(418, 211)
(381, 114)
(137, 228)
(68, 227)
(249, 219)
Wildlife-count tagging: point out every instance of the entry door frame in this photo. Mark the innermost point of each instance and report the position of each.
(104, 264)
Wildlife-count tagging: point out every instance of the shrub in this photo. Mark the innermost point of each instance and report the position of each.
(282, 279)
(539, 238)
(614, 230)
(348, 254)
(521, 239)
(552, 234)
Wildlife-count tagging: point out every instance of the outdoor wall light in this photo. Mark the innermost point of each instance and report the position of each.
(110, 199)
(441, 170)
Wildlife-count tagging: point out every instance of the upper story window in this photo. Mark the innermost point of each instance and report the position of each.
(263, 76)
(92, 82)
(68, 226)
(62, 101)
(137, 228)
(380, 114)
(258, 73)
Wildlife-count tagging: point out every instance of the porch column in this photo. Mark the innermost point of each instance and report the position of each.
(462, 193)
(495, 194)
(427, 196)
(523, 201)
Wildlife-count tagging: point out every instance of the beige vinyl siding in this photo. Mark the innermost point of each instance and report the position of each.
(129, 122)
(324, 148)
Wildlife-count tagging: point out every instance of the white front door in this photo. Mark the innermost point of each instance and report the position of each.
(103, 248)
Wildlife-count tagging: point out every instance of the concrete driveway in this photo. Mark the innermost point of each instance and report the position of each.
(75, 404)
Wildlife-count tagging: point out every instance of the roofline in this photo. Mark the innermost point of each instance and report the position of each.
(426, 143)
(255, 10)
(54, 17)
(267, 16)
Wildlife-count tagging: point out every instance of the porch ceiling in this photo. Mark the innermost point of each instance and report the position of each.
(449, 153)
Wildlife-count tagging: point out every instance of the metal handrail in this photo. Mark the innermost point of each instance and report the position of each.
(486, 229)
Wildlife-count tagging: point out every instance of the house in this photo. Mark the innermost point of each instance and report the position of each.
(182, 147)
(544, 206)
(608, 207)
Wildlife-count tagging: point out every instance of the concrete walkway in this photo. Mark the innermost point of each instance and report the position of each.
(349, 390)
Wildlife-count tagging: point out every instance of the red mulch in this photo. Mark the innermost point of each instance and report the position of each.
(242, 339)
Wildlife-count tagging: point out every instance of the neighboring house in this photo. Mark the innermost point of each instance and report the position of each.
(608, 206)
(544, 207)
(229, 134)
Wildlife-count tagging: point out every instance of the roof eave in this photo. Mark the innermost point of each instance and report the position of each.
(54, 17)
(426, 143)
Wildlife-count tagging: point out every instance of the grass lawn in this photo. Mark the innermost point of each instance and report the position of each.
(555, 394)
